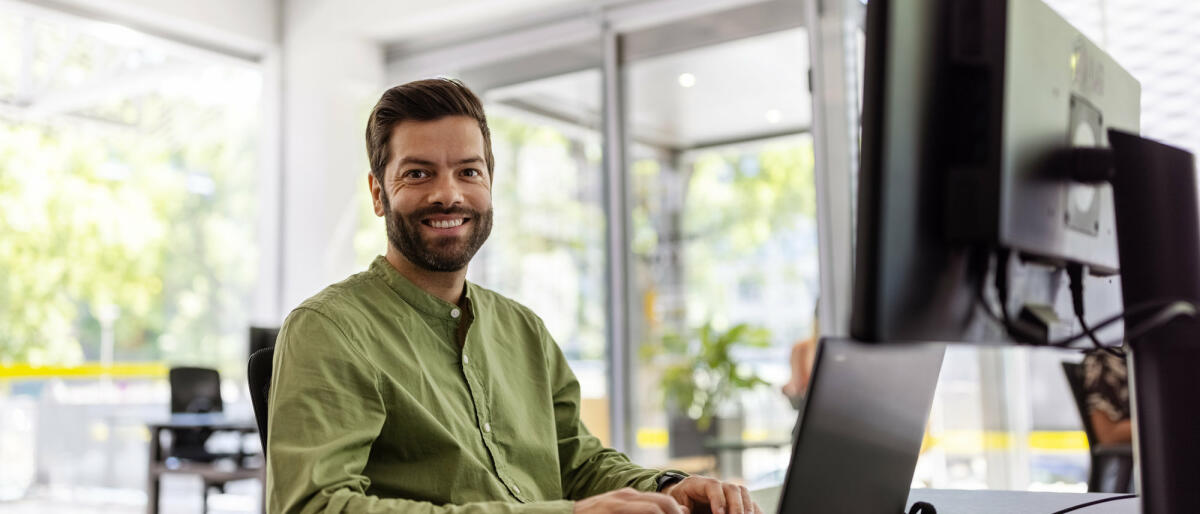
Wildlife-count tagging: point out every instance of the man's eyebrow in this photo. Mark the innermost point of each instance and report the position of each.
(426, 162)
(416, 160)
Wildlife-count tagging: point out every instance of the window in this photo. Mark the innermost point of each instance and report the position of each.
(547, 245)
(723, 231)
(129, 191)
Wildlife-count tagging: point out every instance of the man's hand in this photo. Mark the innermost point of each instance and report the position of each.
(703, 494)
(629, 501)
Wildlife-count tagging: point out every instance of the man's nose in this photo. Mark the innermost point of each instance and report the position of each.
(446, 190)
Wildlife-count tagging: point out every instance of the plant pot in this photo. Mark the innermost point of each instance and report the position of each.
(686, 440)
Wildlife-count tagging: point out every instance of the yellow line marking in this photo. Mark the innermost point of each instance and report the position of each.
(86, 370)
(950, 441)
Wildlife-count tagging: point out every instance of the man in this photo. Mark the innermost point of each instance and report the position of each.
(405, 388)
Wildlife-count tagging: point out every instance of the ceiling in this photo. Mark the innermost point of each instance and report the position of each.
(424, 23)
(737, 90)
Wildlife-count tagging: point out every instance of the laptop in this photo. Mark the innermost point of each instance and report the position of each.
(861, 427)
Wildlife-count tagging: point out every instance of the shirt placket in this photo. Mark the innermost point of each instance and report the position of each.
(474, 372)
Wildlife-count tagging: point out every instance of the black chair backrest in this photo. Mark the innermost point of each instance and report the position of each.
(262, 337)
(258, 373)
(195, 390)
(1075, 378)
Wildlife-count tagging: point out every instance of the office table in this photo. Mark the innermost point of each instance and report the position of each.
(159, 464)
(729, 452)
(951, 501)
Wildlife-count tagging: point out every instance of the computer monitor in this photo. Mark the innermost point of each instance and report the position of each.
(967, 106)
(971, 112)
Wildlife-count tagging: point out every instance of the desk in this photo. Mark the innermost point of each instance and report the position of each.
(951, 501)
(207, 471)
(729, 452)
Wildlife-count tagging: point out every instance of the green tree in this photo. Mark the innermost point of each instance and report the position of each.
(152, 225)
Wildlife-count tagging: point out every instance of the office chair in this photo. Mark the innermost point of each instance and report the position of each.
(258, 373)
(194, 390)
(197, 391)
(1112, 464)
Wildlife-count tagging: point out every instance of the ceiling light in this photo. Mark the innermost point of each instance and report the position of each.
(773, 116)
(687, 79)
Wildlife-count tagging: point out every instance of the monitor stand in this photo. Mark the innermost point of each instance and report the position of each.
(1158, 241)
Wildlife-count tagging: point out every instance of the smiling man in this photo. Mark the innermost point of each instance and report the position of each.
(405, 388)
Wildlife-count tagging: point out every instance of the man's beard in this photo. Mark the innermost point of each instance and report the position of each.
(444, 254)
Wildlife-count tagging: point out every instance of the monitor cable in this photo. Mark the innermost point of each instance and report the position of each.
(1164, 310)
(1075, 274)
(922, 508)
(1094, 502)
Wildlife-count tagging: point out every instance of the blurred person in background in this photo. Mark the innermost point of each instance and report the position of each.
(804, 352)
(1106, 381)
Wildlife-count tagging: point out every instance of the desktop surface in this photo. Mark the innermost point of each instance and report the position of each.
(954, 501)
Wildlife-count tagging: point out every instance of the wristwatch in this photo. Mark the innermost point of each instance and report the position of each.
(668, 478)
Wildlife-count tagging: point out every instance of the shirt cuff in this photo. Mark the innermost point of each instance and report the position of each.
(549, 507)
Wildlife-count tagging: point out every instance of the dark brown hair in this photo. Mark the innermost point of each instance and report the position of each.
(421, 100)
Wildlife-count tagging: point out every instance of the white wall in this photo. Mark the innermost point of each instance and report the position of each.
(331, 79)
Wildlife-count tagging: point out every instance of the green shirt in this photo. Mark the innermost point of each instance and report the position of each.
(385, 398)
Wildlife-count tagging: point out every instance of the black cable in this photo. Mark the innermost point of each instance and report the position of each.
(1015, 328)
(922, 508)
(1168, 309)
(1094, 502)
(1075, 274)
(1000, 282)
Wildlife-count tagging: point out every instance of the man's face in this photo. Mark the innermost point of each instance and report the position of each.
(436, 194)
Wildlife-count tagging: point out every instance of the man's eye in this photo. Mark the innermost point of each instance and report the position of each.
(471, 172)
(416, 174)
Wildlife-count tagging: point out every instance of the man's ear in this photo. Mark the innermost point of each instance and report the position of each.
(376, 194)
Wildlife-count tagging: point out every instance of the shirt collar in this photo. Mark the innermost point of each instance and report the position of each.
(416, 297)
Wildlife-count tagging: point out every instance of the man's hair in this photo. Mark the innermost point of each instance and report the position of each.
(421, 100)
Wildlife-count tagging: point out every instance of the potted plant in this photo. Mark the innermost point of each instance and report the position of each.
(702, 377)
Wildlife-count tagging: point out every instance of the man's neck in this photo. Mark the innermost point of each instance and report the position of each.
(447, 285)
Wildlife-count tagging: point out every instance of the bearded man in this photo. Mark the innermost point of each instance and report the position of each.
(405, 388)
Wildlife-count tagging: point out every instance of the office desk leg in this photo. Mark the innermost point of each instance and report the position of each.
(151, 473)
(152, 494)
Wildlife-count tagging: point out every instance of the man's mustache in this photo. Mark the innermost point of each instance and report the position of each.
(433, 211)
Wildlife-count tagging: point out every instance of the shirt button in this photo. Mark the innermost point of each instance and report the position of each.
(516, 489)
(454, 313)
(466, 360)
(487, 427)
